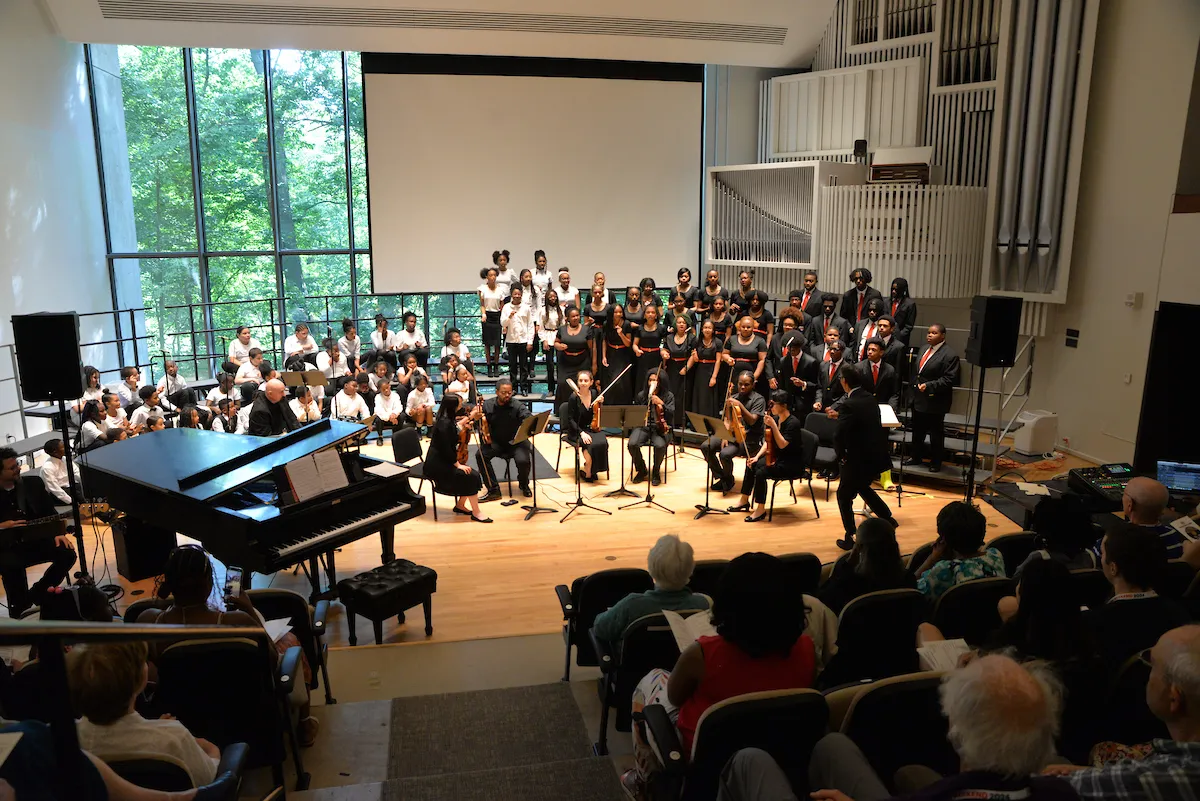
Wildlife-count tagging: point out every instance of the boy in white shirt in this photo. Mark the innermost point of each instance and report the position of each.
(300, 344)
(455, 345)
(149, 398)
(383, 343)
(128, 388)
(170, 386)
(348, 403)
(410, 339)
(248, 393)
(55, 474)
(106, 679)
(419, 406)
(517, 322)
(304, 405)
(249, 371)
(227, 420)
(389, 410)
(222, 390)
(333, 365)
(350, 345)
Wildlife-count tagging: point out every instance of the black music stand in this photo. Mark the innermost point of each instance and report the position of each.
(905, 432)
(649, 499)
(620, 417)
(709, 427)
(579, 502)
(530, 427)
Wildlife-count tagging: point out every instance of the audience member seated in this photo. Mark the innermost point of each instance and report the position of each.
(1160, 769)
(55, 474)
(670, 564)
(873, 564)
(114, 416)
(92, 431)
(19, 504)
(304, 405)
(958, 554)
(759, 616)
(1143, 503)
(106, 680)
(156, 422)
(188, 581)
(1003, 717)
(189, 417)
(1133, 558)
(226, 420)
(419, 405)
(149, 398)
(1064, 533)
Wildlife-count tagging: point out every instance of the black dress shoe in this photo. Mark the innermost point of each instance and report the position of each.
(655, 480)
(638, 478)
(846, 544)
(912, 460)
(752, 519)
(741, 507)
(718, 485)
(727, 486)
(459, 511)
(528, 493)
(493, 495)
(935, 467)
(475, 519)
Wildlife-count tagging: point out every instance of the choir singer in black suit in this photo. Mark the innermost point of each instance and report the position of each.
(934, 375)
(860, 443)
(856, 298)
(504, 416)
(879, 377)
(797, 375)
(271, 414)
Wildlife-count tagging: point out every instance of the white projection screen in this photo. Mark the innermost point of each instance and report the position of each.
(601, 173)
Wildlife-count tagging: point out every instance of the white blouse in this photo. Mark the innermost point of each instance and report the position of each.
(493, 299)
(386, 406)
(349, 347)
(406, 339)
(418, 397)
(462, 352)
(345, 406)
(309, 413)
(242, 352)
(293, 344)
(381, 340)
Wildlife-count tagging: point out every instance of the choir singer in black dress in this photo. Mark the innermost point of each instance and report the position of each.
(783, 430)
(577, 422)
(660, 410)
(504, 416)
(441, 462)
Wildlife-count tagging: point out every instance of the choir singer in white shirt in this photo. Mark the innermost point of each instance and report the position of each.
(55, 474)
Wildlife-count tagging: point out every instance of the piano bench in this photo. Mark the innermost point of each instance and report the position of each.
(388, 590)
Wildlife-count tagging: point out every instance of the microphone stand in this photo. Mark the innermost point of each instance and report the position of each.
(904, 436)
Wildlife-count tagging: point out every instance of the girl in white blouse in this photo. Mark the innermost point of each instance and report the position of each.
(239, 349)
(91, 431)
(350, 345)
(516, 320)
(419, 406)
(93, 391)
(383, 343)
(461, 385)
(549, 320)
(492, 295)
(504, 276)
(389, 410)
(454, 344)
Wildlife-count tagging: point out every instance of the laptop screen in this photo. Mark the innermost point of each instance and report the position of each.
(1180, 477)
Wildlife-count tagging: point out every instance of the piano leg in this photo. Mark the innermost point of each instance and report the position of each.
(387, 540)
(314, 579)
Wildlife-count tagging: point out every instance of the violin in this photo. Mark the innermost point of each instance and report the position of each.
(596, 413)
(733, 419)
(485, 431)
(660, 422)
(464, 437)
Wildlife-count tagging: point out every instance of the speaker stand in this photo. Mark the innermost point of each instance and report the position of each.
(975, 435)
(76, 518)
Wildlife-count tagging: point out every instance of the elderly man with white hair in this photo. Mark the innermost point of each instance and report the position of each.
(1003, 719)
(670, 564)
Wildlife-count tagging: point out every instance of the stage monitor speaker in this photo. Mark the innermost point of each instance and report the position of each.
(995, 323)
(141, 549)
(48, 359)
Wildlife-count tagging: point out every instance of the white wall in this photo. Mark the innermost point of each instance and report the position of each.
(1141, 83)
(51, 229)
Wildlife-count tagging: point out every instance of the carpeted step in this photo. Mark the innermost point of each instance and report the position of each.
(588, 779)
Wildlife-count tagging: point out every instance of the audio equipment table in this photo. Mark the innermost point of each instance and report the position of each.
(1105, 483)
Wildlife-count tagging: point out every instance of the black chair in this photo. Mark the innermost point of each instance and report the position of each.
(876, 636)
(647, 643)
(805, 569)
(968, 610)
(308, 624)
(918, 558)
(785, 723)
(705, 575)
(587, 597)
(825, 457)
(1176, 579)
(562, 440)
(909, 705)
(170, 775)
(27, 694)
(808, 452)
(1015, 548)
(228, 691)
(1127, 718)
(406, 446)
(1090, 588)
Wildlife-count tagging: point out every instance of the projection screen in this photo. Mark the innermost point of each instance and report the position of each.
(601, 173)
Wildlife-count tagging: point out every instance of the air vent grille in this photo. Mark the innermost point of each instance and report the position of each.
(264, 14)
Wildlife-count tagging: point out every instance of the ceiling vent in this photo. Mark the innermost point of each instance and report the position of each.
(415, 18)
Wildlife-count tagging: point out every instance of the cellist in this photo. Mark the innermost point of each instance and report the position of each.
(750, 407)
(784, 432)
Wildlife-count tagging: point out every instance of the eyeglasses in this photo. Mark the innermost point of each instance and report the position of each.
(1144, 657)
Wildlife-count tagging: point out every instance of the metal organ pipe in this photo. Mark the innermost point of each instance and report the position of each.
(1035, 139)
(1014, 141)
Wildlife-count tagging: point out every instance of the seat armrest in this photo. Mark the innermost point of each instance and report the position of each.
(565, 601)
(233, 759)
(605, 653)
(289, 667)
(318, 620)
(663, 738)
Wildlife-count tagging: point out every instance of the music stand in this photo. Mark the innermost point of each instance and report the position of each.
(649, 499)
(715, 427)
(619, 417)
(579, 502)
(530, 427)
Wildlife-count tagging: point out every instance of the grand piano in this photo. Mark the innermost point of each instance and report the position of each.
(221, 489)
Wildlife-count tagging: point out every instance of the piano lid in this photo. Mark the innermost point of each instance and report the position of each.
(204, 464)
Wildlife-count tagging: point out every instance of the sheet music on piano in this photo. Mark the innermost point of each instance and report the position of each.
(313, 475)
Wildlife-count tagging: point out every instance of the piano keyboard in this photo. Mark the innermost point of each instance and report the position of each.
(294, 550)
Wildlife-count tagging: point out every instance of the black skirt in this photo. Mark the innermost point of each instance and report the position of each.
(449, 480)
(491, 329)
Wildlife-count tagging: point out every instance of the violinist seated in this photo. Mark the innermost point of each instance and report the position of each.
(500, 419)
(744, 413)
(660, 407)
(446, 461)
(779, 457)
(581, 425)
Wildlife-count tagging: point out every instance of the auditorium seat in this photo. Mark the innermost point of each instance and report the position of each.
(1090, 588)
(1015, 548)
(589, 596)
(876, 637)
(705, 575)
(1176, 579)
(169, 774)
(806, 569)
(968, 610)
(918, 557)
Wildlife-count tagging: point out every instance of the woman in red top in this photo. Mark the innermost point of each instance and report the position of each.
(760, 646)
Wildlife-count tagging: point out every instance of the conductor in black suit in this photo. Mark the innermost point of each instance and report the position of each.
(271, 414)
(935, 373)
(854, 302)
(879, 377)
(860, 443)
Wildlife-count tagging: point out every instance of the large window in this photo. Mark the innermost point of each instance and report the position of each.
(235, 193)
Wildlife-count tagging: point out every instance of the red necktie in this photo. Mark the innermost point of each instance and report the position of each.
(924, 359)
(826, 354)
(875, 370)
(804, 303)
(895, 305)
(827, 321)
(832, 370)
(795, 365)
(858, 314)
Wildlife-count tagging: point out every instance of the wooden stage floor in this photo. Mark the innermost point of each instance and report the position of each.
(497, 580)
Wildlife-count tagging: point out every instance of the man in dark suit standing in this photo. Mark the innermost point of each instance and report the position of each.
(797, 375)
(932, 386)
(860, 443)
(866, 328)
(826, 320)
(902, 309)
(854, 302)
(810, 297)
(879, 377)
(830, 389)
